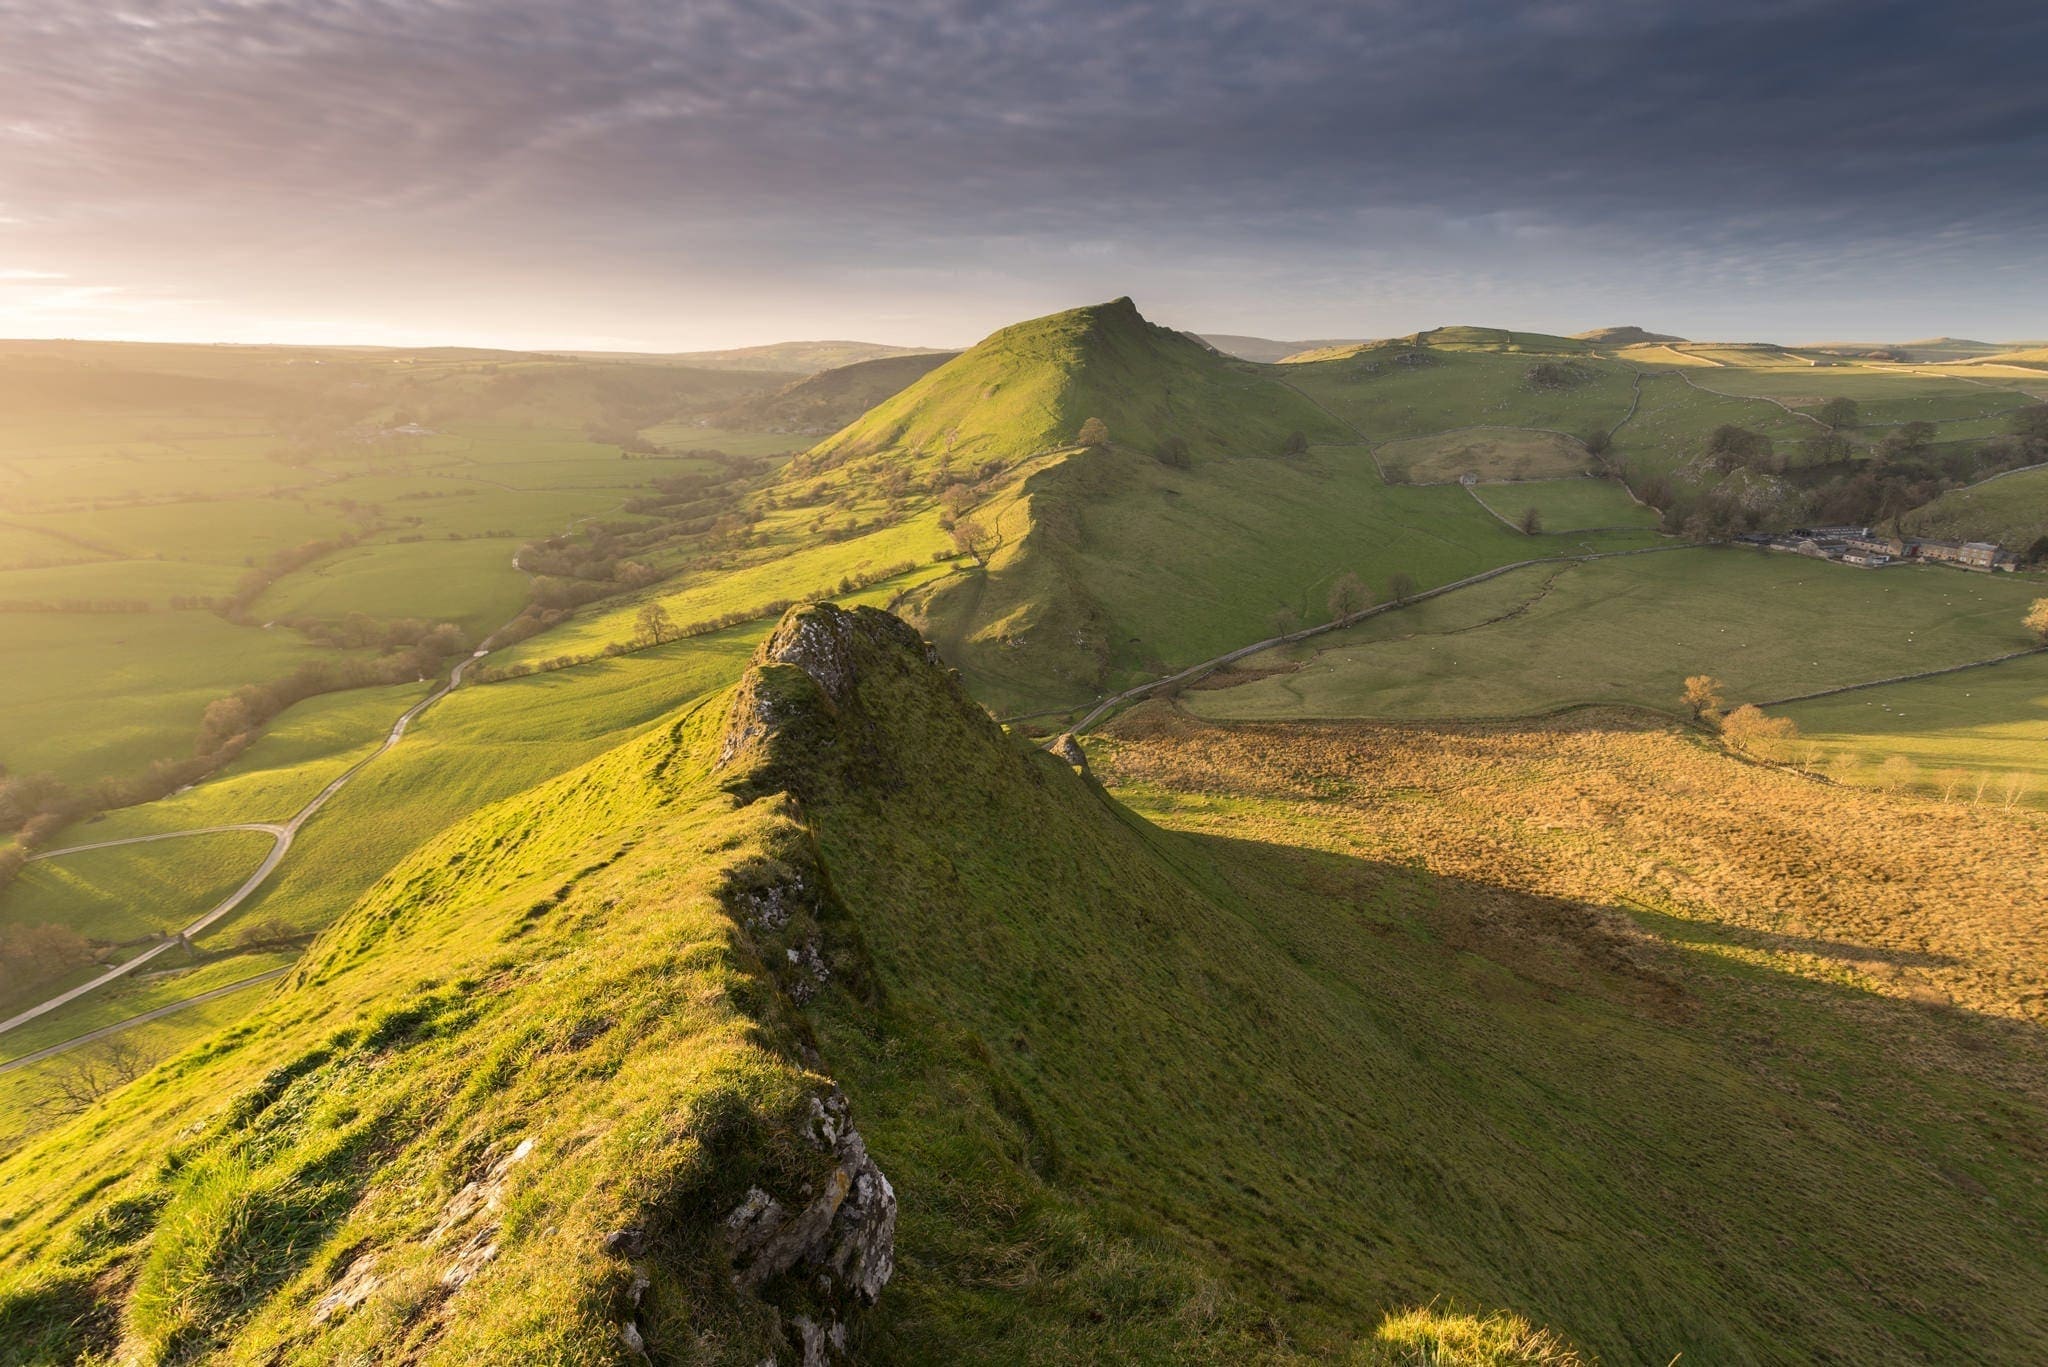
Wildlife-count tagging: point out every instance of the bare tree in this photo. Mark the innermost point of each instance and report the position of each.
(1401, 587)
(974, 539)
(1348, 597)
(1532, 520)
(84, 1076)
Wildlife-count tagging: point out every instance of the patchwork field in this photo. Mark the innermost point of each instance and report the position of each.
(1629, 630)
(1567, 505)
(1384, 399)
(132, 891)
(1980, 737)
(1491, 453)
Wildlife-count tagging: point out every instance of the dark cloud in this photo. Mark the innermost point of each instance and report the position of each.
(1768, 156)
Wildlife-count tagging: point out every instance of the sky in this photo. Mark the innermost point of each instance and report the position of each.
(687, 174)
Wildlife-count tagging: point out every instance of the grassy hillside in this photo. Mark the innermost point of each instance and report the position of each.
(1630, 630)
(831, 399)
(2011, 509)
(1030, 387)
(805, 358)
(1133, 1089)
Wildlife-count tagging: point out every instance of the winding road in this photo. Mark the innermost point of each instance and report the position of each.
(281, 835)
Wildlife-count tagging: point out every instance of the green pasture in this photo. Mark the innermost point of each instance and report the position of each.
(799, 568)
(225, 531)
(88, 695)
(297, 755)
(1674, 419)
(471, 583)
(2011, 510)
(1882, 396)
(1459, 389)
(1979, 736)
(150, 581)
(1567, 505)
(131, 891)
(1630, 630)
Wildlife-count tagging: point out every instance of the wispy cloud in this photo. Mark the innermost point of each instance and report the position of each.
(731, 149)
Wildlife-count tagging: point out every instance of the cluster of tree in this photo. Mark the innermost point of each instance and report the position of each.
(1749, 728)
(1730, 447)
(360, 631)
(653, 625)
(1555, 375)
(2036, 619)
(235, 607)
(101, 605)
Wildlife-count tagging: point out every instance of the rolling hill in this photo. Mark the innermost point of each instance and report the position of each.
(800, 357)
(1265, 349)
(826, 1012)
(830, 399)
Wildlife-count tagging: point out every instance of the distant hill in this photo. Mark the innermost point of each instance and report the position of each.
(1029, 388)
(1265, 349)
(830, 399)
(805, 358)
(1628, 335)
(1925, 349)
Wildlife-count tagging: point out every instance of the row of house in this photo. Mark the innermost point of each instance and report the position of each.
(1866, 547)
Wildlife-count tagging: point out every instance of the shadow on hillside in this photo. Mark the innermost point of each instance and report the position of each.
(1631, 955)
(1680, 930)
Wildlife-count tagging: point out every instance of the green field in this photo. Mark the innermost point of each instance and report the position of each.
(1630, 630)
(1129, 1084)
(1567, 505)
(1491, 453)
(1980, 737)
(132, 892)
(92, 694)
(2009, 509)
(1457, 390)
(471, 583)
(1882, 396)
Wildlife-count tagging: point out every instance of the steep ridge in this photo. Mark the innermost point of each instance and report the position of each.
(1029, 387)
(830, 1013)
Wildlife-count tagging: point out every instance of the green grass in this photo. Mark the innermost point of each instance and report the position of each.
(1458, 390)
(1631, 630)
(1882, 396)
(1132, 1087)
(1029, 388)
(155, 582)
(1568, 504)
(1674, 420)
(132, 891)
(471, 583)
(1975, 737)
(93, 694)
(2011, 510)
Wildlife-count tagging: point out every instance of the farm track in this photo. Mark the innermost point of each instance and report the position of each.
(94, 1036)
(1210, 666)
(282, 833)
